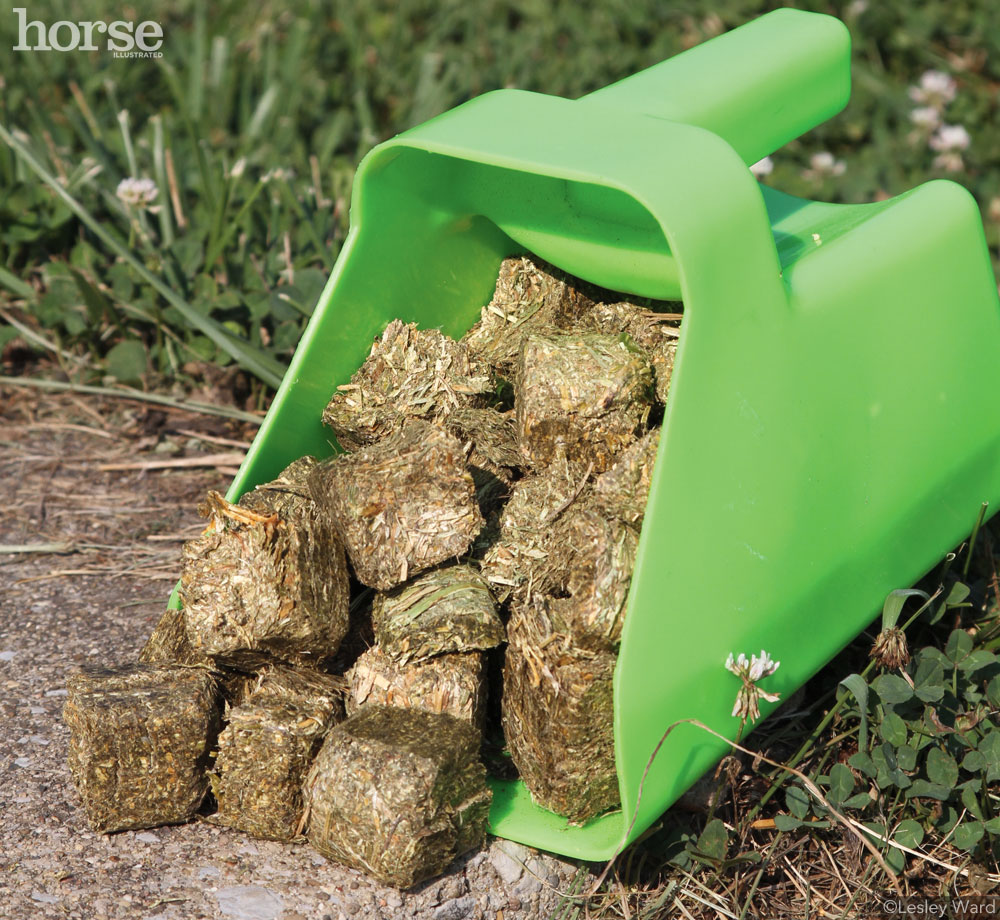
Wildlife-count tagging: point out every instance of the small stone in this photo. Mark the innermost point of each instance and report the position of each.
(62, 691)
(455, 909)
(507, 866)
(147, 838)
(42, 898)
(392, 899)
(527, 886)
(7, 655)
(22, 762)
(249, 902)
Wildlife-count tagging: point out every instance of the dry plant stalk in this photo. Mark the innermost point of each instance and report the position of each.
(264, 753)
(401, 506)
(449, 609)
(528, 298)
(558, 716)
(454, 684)
(624, 489)
(267, 580)
(585, 395)
(511, 563)
(410, 373)
(398, 794)
(140, 737)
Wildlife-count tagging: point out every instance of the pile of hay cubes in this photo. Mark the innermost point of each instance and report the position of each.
(328, 674)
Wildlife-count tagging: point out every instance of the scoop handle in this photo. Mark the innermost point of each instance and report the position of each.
(757, 87)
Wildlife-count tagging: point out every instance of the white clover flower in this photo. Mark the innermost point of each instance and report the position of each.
(747, 706)
(825, 163)
(277, 174)
(949, 161)
(137, 193)
(763, 167)
(949, 137)
(936, 89)
(926, 117)
(238, 168)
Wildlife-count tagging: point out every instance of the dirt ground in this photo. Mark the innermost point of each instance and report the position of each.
(96, 498)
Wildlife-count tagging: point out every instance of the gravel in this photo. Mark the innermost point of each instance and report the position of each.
(96, 605)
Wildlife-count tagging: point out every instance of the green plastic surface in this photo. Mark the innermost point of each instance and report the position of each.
(830, 431)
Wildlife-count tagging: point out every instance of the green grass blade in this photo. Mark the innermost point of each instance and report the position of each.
(254, 360)
(15, 285)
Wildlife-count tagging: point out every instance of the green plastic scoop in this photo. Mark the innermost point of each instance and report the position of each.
(830, 431)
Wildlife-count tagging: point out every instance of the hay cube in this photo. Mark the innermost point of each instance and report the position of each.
(489, 437)
(654, 332)
(410, 373)
(558, 716)
(398, 794)
(169, 643)
(301, 687)
(266, 580)
(287, 496)
(530, 297)
(265, 751)
(454, 684)
(624, 489)
(140, 737)
(401, 506)
(511, 564)
(587, 395)
(449, 609)
(589, 570)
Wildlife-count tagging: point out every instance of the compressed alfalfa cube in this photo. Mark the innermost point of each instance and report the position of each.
(400, 506)
(287, 496)
(265, 751)
(512, 561)
(257, 584)
(585, 395)
(624, 489)
(301, 687)
(589, 569)
(558, 716)
(454, 684)
(410, 373)
(398, 794)
(448, 609)
(654, 332)
(492, 454)
(529, 297)
(140, 738)
(169, 643)
(491, 439)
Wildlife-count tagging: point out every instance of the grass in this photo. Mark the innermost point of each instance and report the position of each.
(251, 128)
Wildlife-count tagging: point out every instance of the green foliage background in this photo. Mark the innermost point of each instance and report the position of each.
(264, 112)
